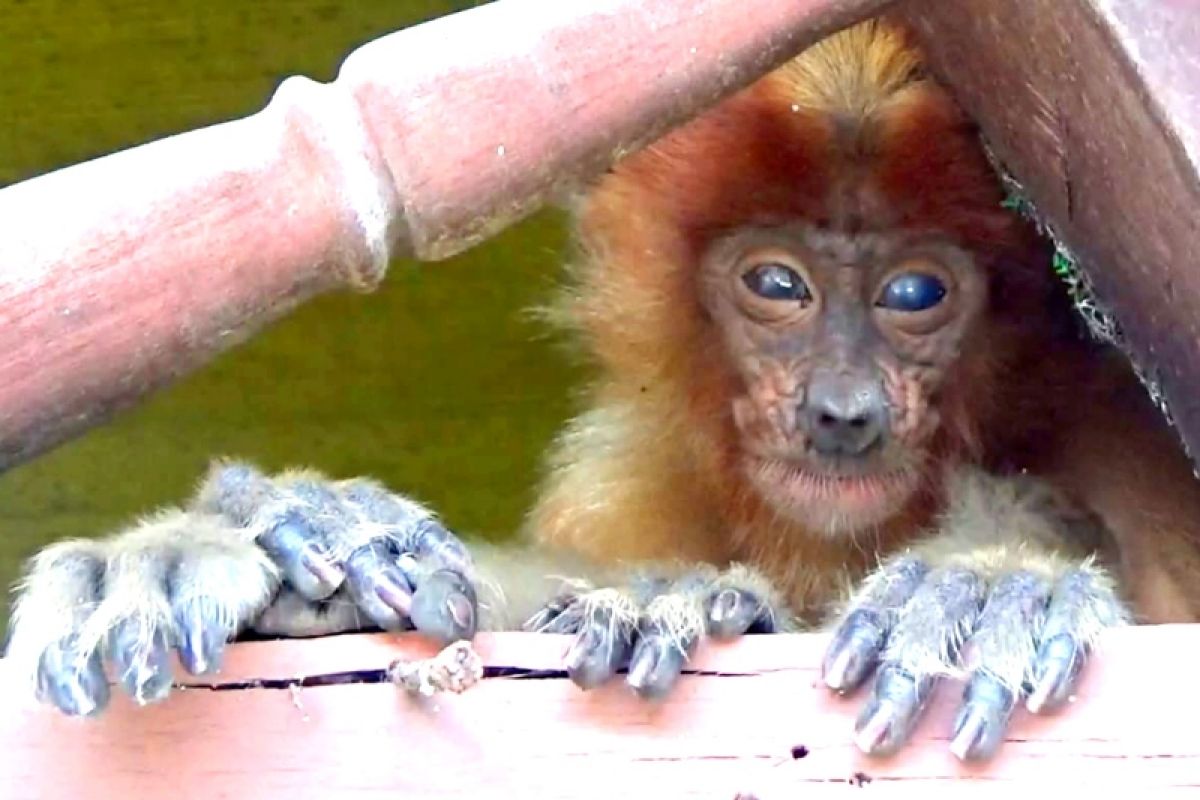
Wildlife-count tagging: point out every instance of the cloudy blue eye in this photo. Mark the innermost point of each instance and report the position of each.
(776, 282)
(912, 291)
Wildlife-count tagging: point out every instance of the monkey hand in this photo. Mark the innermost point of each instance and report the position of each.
(293, 554)
(1013, 617)
(653, 624)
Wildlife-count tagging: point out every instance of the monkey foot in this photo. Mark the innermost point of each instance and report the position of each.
(653, 625)
(293, 554)
(1014, 637)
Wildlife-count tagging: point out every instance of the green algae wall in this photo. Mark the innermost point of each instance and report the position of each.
(438, 383)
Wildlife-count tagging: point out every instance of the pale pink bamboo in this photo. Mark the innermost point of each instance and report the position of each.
(120, 275)
(757, 722)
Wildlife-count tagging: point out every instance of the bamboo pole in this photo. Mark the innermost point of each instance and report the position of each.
(1094, 106)
(296, 720)
(120, 275)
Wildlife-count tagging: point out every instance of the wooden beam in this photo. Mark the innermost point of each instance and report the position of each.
(1094, 106)
(751, 721)
(122, 274)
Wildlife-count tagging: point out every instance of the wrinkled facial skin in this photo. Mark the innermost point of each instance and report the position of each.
(842, 343)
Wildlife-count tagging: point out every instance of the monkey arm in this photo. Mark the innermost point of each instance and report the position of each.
(1006, 593)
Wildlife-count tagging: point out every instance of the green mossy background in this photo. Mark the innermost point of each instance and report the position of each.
(437, 383)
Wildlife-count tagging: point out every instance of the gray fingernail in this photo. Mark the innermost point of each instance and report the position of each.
(392, 591)
(461, 611)
(725, 606)
(317, 561)
(874, 728)
(968, 735)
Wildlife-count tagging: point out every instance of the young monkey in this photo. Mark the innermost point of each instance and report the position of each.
(828, 357)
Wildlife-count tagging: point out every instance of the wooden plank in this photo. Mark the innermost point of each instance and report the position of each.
(751, 721)
(120, 275)
(1094, 106)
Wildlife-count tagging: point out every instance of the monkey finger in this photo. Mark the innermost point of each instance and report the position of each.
(141, 657)
(434, 543)
(857, 642)
(556, 616)
(896, 704)
(598, 651)
(656, 664)
(378, 586)
(444, 603)
(1056, 670)
(1081, 606)
(75, 684)
(732, 612)
(923, 643)
(298, 550)
(983, 719)
(854, 650)
(200, 639)
(414, 529)
(1002, 644)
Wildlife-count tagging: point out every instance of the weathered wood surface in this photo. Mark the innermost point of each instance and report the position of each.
(122, 274)
(755, 723)
(1094, 105)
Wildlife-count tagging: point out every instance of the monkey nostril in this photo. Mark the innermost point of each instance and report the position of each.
(845, 417)
(826, 419)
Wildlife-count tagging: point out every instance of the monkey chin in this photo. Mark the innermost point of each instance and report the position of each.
(830, 503)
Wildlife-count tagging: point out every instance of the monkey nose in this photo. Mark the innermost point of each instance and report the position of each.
(846, 415)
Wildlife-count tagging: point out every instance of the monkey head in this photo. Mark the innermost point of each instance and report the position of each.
(842, 343)
(813, 290)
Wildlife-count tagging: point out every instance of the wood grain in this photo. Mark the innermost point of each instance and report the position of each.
(122, 274)
(751, 720)
(1094, 106)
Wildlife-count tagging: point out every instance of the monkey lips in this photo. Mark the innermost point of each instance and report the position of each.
(831, 501)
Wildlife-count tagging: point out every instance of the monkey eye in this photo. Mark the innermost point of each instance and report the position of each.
(912, 291)
(776, 282)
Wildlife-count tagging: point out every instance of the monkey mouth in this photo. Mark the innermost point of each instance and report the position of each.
(832, 501)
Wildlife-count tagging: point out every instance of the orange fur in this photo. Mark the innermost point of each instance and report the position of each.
(850, 132)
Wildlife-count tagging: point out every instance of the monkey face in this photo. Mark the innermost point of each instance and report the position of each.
(841, 343)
